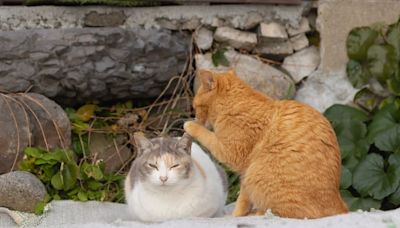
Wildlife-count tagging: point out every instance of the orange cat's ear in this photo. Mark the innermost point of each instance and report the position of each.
(207, 79)
(231, 71)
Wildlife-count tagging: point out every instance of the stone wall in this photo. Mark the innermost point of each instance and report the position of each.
(79, 54)
(77, 65)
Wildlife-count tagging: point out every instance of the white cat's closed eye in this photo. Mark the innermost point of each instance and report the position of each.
(174, 166)
(153, 166)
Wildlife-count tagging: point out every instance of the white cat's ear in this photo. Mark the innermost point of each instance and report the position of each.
(142, 143)
(207, 79)
(185, 142)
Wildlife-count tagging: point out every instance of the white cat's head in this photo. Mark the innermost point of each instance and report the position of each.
(162, 162)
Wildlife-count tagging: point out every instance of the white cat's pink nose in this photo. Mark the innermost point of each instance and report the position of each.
(163, 178)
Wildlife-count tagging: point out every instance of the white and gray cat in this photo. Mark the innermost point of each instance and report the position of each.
(173, 178)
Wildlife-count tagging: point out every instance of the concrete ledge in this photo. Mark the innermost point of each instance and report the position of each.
(172, 17)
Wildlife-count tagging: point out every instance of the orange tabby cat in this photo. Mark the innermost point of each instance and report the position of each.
(286, 152)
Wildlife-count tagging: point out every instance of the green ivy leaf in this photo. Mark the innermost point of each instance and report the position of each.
(69, 174)
(359, 40)
(385, 119)
(393, 85)
(352, 139)
(57, 197)
(391, 100)
(33, 152)
(367, 99)
(370, 177)
(382, 62)
(356, 74)
(393, 37)
(94, 185)
(337, 113)
(389, 139)
(39, 207)
(74, 191)
(395, 197)
(82, 196)
(26, 165)
(350, 162)
(57, 181)
(97, 173)
(346, 178)
(218, 58)
(359, 203)
(86, 112)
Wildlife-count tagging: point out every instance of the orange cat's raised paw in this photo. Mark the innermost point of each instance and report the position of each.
(190, 127)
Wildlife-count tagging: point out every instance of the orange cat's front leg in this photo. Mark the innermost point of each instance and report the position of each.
(206, 138)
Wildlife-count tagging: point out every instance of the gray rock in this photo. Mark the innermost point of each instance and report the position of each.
(15, 133)
(96, 63)
(257, 74)
(203, 38)
(30, 120)
(96, 19)
(274, 47)
(251, 21)
(299, 41)
(236, 38)
(54, 129)
(301, 64)
(321, 90)
(304, 26)
(272, 30)
(113, 152)
(179, 24)
(21, 191)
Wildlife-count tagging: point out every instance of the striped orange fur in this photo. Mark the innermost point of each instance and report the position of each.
(286, 152)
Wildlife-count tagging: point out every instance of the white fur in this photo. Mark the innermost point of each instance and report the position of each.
(194, 197)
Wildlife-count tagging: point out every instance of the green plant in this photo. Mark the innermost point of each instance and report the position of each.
(374, 64)
(370, 153)
(67, 177)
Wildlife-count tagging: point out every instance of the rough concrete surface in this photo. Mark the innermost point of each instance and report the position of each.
(337, 17)
(172, 17)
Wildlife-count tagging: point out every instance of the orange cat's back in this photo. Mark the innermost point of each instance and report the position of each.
(300, 148)
(286, 152)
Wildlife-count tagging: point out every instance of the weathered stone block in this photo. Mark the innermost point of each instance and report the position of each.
(299, 41)
(259, 75)
(236, 38)
(272, 30)
(203, 38)
(80, 65)
(274, 47)
(303, 27)
(301, 64)
(96, 19)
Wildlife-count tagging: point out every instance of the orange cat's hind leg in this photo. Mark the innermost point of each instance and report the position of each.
(243, 204)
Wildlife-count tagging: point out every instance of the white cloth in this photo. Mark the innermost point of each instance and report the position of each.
(108, 215)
